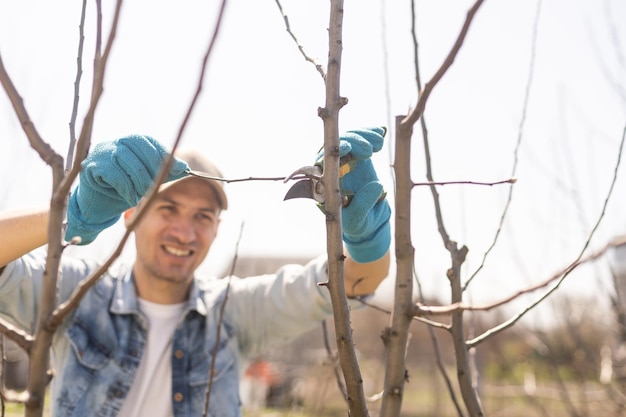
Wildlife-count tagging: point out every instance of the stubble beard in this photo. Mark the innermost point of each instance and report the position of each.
(172, 275)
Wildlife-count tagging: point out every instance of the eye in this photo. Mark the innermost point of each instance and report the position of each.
(205, 217)
(167, 208)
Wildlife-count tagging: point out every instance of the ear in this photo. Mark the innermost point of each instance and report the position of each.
(217, 227)
(128, 214)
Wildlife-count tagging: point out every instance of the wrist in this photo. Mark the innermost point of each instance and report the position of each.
(375, 244)
(83, 226)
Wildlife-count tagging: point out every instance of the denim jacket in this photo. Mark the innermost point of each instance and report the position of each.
(97, 350)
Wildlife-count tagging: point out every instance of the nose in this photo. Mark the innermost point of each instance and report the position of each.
(183, 230)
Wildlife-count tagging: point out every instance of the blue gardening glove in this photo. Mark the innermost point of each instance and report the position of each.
(114, 177)
(365, 220)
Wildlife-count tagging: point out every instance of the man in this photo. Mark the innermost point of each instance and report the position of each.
(148, 339)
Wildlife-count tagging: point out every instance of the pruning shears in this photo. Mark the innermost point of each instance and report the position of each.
(312, 187)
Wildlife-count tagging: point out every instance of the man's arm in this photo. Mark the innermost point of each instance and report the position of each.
(22, 231)
(364, 278)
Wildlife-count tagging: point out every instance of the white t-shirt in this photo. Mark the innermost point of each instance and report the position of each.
(151, 392)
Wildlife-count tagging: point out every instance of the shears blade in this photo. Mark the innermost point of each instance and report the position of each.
(311, 186)
(301, 189)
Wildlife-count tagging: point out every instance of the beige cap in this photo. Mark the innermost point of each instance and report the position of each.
(202, 169)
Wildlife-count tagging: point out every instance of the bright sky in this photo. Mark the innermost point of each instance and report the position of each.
(257, 117)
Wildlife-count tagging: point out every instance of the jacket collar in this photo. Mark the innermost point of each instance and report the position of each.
(125, 297)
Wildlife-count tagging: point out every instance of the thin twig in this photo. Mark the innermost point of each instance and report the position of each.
(441, 366)
(520, 134)
(467, 182)
(20, 337)
(302, 177)
(231, 180)
(45, 151)
(387, 86)
(334, 362)
(65, 308)
(79, 73)
(219, 327)
(100, 63)
(165, 169)
(579, 260)
(423, 310)
(306, 56)
(616, 83)
(421, 319)
(418, 111)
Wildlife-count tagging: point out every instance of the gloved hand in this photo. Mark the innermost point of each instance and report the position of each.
(114, 177)
(365, 220)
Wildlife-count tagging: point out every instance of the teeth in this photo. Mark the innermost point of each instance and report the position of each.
(177, 252)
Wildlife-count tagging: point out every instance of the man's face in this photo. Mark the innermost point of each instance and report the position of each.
(173, 238)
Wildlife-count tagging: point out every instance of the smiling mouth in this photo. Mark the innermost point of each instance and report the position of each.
(177, 252)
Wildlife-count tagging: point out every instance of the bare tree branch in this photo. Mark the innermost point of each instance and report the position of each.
(396, 337)
(431, 324)
(330, 178)
(39, 352)
(404, 254)
(65, 308)
(20, 337)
